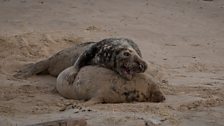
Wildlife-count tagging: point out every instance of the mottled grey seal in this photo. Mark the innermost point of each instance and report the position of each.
(100, 85)
(121, 55)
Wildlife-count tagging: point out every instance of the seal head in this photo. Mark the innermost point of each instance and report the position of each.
(121, 55)
(128, 63)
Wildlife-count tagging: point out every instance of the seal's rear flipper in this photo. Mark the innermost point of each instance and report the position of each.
(32, 69)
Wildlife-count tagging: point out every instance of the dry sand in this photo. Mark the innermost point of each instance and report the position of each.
(185, 38)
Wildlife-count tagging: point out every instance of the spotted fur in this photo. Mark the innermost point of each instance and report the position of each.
(108, 53)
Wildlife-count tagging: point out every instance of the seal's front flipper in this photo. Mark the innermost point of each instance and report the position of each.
(84, 59)
(32, 69)
(67, 76)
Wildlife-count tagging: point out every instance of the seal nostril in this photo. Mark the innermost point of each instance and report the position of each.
(145, 66)
(142, 67)
(164, 98)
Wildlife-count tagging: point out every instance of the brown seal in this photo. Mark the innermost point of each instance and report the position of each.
(100, 85)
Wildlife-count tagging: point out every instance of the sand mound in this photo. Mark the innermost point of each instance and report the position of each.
(30, 47)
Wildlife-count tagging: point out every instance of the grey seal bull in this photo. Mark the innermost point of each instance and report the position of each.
(121, 55)
(100, 85)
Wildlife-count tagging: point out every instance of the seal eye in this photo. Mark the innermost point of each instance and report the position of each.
(126, 54)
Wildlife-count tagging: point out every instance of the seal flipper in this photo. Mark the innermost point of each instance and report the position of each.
(86, 57)
(33, 68)
(83, 60)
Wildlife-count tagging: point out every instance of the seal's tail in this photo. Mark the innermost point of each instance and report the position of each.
(32, 69)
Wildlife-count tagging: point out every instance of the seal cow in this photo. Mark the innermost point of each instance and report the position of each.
(121, 55)
(95, 84)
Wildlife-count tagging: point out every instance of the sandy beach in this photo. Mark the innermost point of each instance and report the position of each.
(182, 39)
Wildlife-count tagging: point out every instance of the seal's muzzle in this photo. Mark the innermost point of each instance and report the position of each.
(128, 63)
